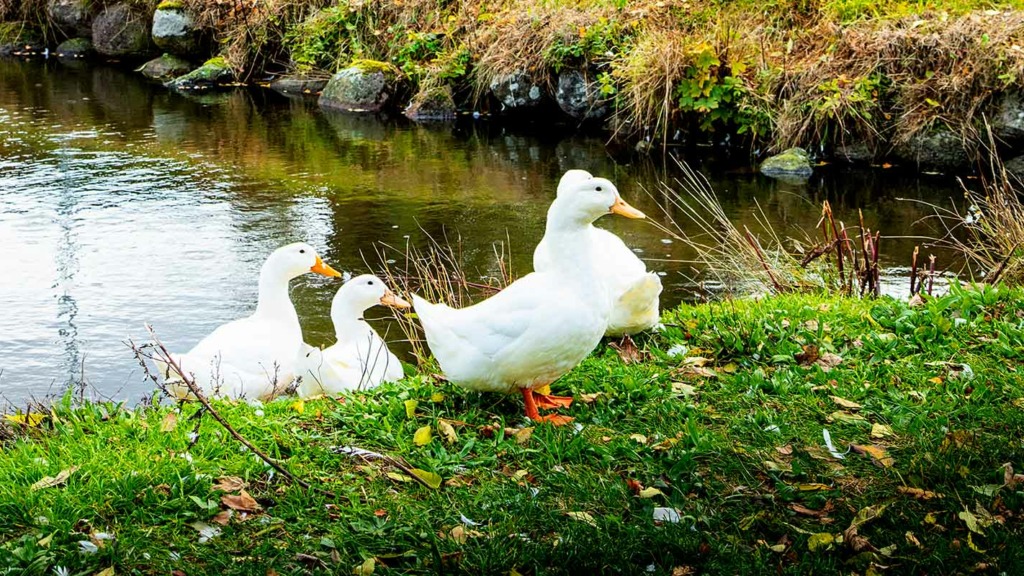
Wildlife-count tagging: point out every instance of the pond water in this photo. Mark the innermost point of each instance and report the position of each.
(122, 203)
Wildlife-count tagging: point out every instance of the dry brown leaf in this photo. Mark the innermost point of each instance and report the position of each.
(919, 493)
(223, 517)
(627, 350)
(804, 511)
(829, 361)
(589, 398)
(51, 481)
(809, 355)
(242, 502)
(523, 435)
(169, 423)
(844, 403)
(878, 454)
(912, 540)
(784, 450)
(229, 484)
(683, 571)
(881, 431)
(447, 431)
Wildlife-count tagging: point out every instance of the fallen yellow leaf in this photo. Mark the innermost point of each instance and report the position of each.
(523, 435)
(429, 478)
(169, 422)
(650, 493)
(820, 540)
(582, 517)
(410, 409)
(32, 419)
(448, 431)
(241, 502)
(422, 436)
(51, 481)
(844, 403)
(299, 406)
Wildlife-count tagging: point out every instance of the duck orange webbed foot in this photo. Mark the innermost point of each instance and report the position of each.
(551, 402)
(556, 419)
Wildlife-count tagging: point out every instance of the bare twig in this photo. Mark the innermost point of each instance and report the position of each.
(190, 383)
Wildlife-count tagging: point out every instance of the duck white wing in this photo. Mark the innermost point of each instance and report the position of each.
(244, 358)
(634, 290)
(527, 335)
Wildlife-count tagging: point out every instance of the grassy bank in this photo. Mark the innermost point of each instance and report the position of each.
(720, 418)
(844, 77)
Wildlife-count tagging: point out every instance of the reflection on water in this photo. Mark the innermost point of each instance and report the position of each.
(122, 203)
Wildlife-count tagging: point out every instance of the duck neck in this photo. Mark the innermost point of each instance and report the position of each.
(349, 325)
(570, 248)
(274, 301)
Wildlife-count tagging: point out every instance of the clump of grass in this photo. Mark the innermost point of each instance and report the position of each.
(989, 229)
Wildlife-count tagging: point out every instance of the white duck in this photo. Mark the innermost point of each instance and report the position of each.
(360, 359)
(634, 290)
(253, 357)
(543, 324)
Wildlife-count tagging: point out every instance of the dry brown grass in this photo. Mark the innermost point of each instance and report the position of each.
(439, 273)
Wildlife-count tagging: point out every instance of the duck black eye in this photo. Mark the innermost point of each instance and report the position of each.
(370, 282)
(302, 251)
(598, 188)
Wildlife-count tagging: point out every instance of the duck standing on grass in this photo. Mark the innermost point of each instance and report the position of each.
(634, 291)
(543, 324)
(360, 359)
(253, 357)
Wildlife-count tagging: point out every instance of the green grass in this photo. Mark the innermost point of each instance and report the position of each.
(734, 442)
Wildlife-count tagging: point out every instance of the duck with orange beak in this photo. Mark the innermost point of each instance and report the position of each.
(542, 325)
(360, 358)
(252, 357)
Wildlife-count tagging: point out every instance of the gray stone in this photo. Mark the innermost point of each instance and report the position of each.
(856, 152)
(1008, 123)
(935, 149)
(1015, 168)
(213, 73)
(72, 17)
(358, 89)
(121, 31)
(74, 48)
(175, 30)
(433, 105)
(792, 163)
(298, 85)
(517, 91)
(580, 97)
(166, 67)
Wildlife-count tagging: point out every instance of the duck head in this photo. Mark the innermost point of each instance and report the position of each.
(360, 293)
(294, 260)
(570, 178)
(587, 199)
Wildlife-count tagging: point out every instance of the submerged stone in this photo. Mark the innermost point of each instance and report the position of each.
(72, 17)
(580, 97)
(1015, 168)
(213, 73)
(365, 86)
(298, 85)
(432, 105)
(74, 48)
(791, 163)
(122, 31)
(517, 91)
(175, 30)
(166, 67)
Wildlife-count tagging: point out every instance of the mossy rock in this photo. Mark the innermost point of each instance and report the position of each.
(214, 73)
(75, 48)
(72, 17)
(368, 66)
(175, 30)
(517, 91)
(579, 96)
(360, 88)
(166, 67)
(432, 105)
(1015, 168)
(299, 85)
(938, 148)
(792, 163)
(171, 5)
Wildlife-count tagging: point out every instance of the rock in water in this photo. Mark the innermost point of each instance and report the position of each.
(299, 85)
(1008, 123)
(517, 91)
(935, 149)
(579, 97)
(363, 87)
(792, 163)
(74, 48)
(175, 30)
(432, 105)
(72, 17)
(166, 67)
(213, 73)
(121, 31)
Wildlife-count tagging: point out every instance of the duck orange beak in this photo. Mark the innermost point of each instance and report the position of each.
(321, 268)
(394, 300)
(622, 209)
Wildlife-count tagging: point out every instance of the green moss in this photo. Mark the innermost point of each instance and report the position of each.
(217, 62)
(368, 66)
(18, 32)
(171, 5)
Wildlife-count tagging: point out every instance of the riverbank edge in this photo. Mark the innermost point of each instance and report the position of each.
(917, 88)
(705, 441)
